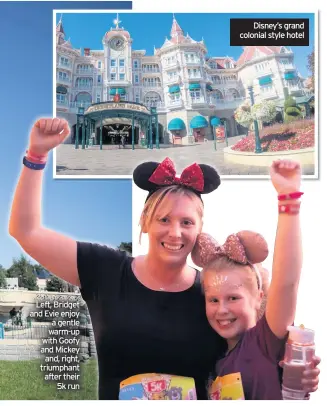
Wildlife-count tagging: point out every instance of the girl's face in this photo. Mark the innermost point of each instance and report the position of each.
(174, 229)
(231, 304)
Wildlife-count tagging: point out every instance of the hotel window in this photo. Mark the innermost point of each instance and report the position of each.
(195, 94)
(136, 78)
(113, 63)
(136, 64)
(64, 61)
(62, 75)
(61, 98)
(137, 98)
(122, 76)
(99, 78)
(112, 76)
(99, 65)
(175, 97)
(98, 98)
(121, 63)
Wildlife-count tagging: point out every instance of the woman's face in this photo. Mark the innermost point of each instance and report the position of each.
(174, 228)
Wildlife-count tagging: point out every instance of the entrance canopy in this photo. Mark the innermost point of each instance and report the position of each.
(176, 124)
(100, 111)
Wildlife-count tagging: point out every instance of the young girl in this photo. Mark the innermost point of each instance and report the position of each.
(234, 293)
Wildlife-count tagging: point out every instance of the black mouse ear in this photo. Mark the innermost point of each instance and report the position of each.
(142, 174)
(211, 178)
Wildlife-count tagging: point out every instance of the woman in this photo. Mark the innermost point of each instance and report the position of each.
(148, 313)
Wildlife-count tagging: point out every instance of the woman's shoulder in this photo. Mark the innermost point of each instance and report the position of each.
(97, 253)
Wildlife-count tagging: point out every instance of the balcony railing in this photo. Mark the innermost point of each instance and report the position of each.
(63, 79)
(79, 104)
(156, 85)
(62, 103)
(175, 103)
(172, 79)
(85, 86)
(85, 71)
(198, 100)
(64, 65)
(198, 76)
(224, 104)
(145, 70)
(159, 105)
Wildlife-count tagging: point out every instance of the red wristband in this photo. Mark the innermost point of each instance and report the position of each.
(292, 208)
(290, 196)
(36, 158)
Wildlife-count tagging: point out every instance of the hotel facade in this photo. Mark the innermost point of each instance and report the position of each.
(190, 91)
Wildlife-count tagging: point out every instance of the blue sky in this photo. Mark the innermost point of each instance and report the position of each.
(149, 30)
(88, 210)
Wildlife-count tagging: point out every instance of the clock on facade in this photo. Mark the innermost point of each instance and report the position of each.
(117, 43)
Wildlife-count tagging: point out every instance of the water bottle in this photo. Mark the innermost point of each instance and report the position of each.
(299, 351)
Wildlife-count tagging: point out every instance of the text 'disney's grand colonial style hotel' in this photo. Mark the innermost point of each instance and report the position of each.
(176, 93)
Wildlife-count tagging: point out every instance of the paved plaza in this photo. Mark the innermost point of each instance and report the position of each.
(114, 161)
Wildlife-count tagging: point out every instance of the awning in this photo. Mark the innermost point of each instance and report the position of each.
(174, 89)
(194, 86)
(209, 87)
(215, 121)
(176, 124)
(198, 122)
(61, 89)
(265, 80)
(289, 75)
(120, 91)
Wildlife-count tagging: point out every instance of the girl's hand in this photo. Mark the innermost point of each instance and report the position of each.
(286, 176)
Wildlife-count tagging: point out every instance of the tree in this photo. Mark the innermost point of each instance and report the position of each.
(55, 284)
(3, 283)
(126, 246)
(311, 67)
(40, 272)
(23, 269)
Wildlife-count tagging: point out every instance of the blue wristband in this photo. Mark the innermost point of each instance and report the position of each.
(32, 165)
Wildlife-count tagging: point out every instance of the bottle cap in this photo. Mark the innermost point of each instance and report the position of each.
(301, 335)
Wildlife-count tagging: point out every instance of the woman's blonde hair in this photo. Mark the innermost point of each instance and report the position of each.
(158, 198)
(257, 277)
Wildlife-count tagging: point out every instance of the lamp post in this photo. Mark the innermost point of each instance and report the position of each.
(87, 133)
(258, 149)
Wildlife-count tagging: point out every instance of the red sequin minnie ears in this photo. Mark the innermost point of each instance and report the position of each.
(152, 176)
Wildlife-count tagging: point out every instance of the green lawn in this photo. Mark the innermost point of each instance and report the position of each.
(23, 380)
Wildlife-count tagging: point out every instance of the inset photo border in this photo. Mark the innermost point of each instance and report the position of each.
(138, 87)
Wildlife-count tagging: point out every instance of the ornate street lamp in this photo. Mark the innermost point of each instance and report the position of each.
(258, 149)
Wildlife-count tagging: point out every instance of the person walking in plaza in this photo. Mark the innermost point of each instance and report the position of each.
(148, 312)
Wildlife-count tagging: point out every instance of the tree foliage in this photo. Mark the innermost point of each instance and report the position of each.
(23, 269)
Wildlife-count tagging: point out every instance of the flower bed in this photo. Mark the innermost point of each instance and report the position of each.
(281, 137)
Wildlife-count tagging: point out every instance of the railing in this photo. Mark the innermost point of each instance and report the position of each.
(144, 70)
(84, 86)
(151, 84)
(226, 103)
(62, 103)
(79, 104)
(85, 71)
(63, 79)
(198, 100)
(64, 65)
(175, 103)
(195, 76)
(173, 79)
(158, 105)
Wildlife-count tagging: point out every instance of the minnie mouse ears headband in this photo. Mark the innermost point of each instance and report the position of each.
(151, 176)
(245, 247)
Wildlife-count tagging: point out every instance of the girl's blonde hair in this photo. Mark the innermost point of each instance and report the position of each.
(256, 278)
(157, 200)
